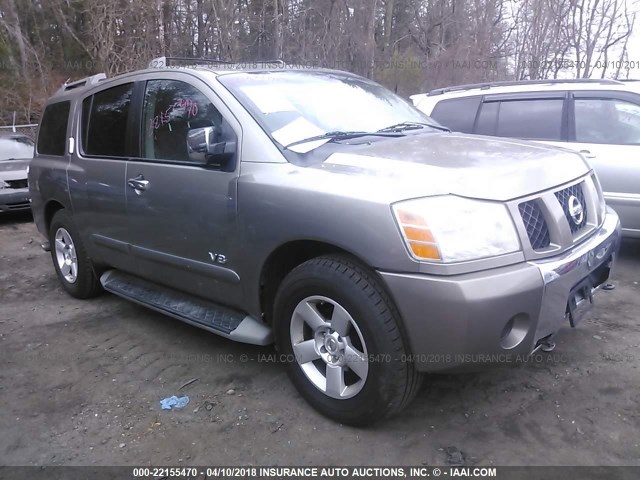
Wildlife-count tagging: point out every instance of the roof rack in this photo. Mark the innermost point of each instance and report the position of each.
(488, 85)
(161, 62)
(85, 82)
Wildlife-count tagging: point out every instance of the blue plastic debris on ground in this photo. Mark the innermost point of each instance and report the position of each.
(174, 402)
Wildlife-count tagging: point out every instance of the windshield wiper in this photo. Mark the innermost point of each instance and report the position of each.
(339, 135)
(399, 127)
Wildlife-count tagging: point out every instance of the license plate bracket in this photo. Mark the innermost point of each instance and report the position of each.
(580, 301)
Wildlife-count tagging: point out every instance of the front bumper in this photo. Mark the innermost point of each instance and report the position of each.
(499, 315)
(12, 200)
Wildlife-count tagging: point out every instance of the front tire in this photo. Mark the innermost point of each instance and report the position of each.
(339, 333)
(70, 259)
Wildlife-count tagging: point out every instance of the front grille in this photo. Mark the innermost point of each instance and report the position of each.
(536, 225)
(17, 183)
(574, 206)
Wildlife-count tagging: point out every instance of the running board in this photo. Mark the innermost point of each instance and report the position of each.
(215, 318)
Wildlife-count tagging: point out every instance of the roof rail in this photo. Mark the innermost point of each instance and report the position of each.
(85, 82)
(161, 62)
(488, 85)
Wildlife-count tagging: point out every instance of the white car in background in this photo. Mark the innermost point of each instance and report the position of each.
(599, 118)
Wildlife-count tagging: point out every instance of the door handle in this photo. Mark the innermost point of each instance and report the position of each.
(587, 154)
(139, 184)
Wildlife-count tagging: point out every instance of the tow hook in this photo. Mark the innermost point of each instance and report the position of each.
(45, 246)
(547, 344)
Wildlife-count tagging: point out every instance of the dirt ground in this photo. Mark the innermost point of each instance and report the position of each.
(81, 383)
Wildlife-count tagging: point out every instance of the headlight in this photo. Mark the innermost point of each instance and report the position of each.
(454, 229)
(3, 185)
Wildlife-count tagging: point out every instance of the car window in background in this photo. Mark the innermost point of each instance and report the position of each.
(458, 114)
(52, 136)
(104, 127)
(171, 109)
(487, 118)
(600, 120)
(531, 119)
(15, 147)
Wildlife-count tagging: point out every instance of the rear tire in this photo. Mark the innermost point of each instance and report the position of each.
(70, 259)
(339, 333)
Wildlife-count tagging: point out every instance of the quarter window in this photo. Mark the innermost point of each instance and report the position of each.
(52, 136)
(607, 121)
(104, 125)
(171, 109)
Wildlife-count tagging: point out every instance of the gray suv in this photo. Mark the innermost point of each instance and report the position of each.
(317, 210)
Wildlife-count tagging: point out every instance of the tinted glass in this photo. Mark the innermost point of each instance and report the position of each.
(52, 136)
(458, 114)
(607, 121)
(171, 109)
(105, 133)
(533, 119)
(487, 119)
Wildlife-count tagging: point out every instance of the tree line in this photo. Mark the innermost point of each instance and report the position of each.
(407, 45)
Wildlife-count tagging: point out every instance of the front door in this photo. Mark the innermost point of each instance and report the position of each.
(182, 214)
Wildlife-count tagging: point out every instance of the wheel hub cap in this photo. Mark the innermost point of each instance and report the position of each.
(65, 252)
(329, 347)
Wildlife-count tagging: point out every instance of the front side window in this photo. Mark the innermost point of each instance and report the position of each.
(531, 119)
(52, 135)
(104, 126)
(171, 109)
(600, 120)
(458, 114)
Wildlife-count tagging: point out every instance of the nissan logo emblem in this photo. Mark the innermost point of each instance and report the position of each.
(576, 210)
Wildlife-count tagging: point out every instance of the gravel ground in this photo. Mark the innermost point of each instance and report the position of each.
(81, 383)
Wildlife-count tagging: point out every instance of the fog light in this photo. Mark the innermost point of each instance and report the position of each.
(514, 331)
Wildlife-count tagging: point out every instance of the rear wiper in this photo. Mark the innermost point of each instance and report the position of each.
(399, 127)
(339, 135)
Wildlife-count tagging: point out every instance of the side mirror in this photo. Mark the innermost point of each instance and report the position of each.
(206, 146)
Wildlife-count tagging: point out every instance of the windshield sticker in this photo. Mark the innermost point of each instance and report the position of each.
(298, 130)
(266, 101)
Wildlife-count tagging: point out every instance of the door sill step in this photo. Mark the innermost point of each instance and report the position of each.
(210, 316)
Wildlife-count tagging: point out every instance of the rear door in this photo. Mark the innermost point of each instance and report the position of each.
(605, 127)
(97, 173)
(182, 214)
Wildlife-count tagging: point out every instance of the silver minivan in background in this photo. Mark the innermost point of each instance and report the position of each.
(598, 118)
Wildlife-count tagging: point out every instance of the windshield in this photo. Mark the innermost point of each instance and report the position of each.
(292, 106)
(15, 147)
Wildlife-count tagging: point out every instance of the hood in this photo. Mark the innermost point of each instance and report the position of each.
(465, 165)
(14, 169)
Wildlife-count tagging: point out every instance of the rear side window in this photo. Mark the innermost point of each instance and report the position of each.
(52, 135)
(458, 114)
(531, 119)
(104, 123)
(607, 120)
